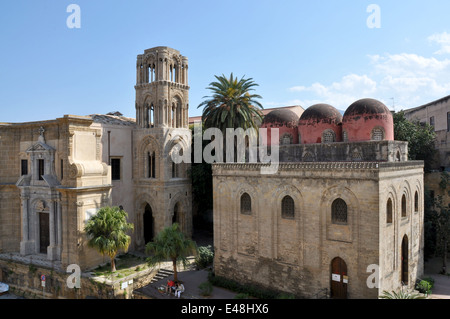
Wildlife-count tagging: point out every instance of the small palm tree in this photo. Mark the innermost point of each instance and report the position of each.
(107, 232)
(171, 244)
(400, 295)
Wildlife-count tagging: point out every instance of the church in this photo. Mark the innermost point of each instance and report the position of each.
(345, 196)
(55, 174)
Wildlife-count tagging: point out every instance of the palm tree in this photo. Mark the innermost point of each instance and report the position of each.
(171, 244)
(232, 105)
(107, 232)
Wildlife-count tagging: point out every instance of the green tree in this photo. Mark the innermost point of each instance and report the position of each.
(420, 138)
(231, 104)
(107, 232)
(171, 244)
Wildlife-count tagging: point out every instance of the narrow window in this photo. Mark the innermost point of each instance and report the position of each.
(115, 169)
(389, 211)
(24, 167)
(448, 121)
(287, 208)
(403, 205)
(339, 212)
(416, 202)
(432, 121)
(246, 204)
(40, 169)
(151, 165)
(62, 168)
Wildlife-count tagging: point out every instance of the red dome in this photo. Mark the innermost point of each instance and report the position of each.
(286, 122)
(320, 123)
(367, 119)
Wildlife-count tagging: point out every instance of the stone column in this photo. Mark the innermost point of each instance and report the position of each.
(51, 249)
(26, 245)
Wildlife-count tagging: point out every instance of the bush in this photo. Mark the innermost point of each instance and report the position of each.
(205, 256)
(206, 288)
(425, 285)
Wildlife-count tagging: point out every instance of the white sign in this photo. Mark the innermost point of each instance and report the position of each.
(336, 277)
(43, 283)
(124, 285)
(345, 279)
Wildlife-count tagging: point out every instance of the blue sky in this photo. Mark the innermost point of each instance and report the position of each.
(299, 52)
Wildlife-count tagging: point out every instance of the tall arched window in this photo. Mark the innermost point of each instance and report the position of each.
(339, 212)
(404, 205)
(246, 204)
(287, 208)
(389, 211)
(416, 202)
(151, 165)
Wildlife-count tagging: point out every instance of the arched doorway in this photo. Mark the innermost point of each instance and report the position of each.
(176, 214)
(405, 250)
(339, 279)
(148, 224)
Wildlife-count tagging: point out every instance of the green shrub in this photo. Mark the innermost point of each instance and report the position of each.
(205, 256)
(242, 295)
(206, 288)
(425, 285)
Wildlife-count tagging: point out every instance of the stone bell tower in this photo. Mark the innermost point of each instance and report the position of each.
(162, 187)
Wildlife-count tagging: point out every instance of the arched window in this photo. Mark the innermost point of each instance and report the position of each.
(377, 134)
(287, 208)
(416, 202)
(286, 139)
(246, 204)
(389, 211)
(328, 136)
(339, 212)
(151, 165)
(404, 205)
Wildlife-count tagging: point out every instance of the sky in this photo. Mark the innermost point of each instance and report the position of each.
(298, 52)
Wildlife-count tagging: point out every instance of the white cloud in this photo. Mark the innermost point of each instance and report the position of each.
(443, 39)
(407, 78)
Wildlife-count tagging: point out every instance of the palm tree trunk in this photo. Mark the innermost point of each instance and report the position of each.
(113, 264)
(175, 272)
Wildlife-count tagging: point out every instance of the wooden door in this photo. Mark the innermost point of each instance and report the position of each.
(339, 279)
(44, 233)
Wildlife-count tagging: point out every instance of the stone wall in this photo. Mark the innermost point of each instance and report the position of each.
(294, 255)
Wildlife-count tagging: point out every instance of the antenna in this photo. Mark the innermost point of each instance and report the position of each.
(393, 103)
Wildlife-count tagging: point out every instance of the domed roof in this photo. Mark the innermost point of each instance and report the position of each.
(366, 107)
(321, 112)
(281, 116)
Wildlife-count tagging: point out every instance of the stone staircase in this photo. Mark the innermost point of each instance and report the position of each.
(161, 274)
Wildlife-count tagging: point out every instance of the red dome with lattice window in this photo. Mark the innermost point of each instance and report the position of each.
(320, 123)
(366, 120)
(285, 121)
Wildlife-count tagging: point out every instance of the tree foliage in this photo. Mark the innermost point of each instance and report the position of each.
(420, 138)
(171, 245)
(231, 104)
(107, 232)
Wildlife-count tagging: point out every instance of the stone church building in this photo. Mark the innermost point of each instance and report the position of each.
(342, 216)
(56, 174)
(344, 197)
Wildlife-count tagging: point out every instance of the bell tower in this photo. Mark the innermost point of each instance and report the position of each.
(162, 187)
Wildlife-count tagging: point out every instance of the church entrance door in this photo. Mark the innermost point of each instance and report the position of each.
(44, 232)
(339, 279)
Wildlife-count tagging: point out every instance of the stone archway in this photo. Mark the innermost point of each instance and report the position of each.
(149, 224)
